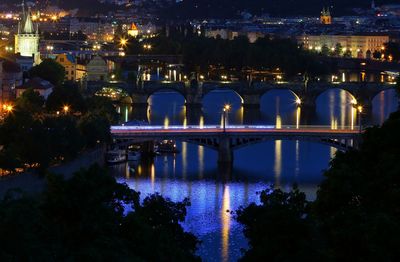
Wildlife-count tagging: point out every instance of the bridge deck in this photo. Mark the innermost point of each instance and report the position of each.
(231, 130)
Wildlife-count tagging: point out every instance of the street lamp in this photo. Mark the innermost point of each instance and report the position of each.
(123, 42)
(66, 109)
(359, 110)
(225, 110)
(8, 108)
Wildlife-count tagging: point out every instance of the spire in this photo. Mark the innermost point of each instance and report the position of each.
(23, 10)
(323, 11)
(28, 25)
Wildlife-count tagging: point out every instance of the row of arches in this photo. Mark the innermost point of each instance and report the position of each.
(296, 97)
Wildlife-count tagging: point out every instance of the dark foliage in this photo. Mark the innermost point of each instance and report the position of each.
(49, 70)
(93, 218)
(199, 53)
(355, 217)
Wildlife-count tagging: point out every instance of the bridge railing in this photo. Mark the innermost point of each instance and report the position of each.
(231, 127)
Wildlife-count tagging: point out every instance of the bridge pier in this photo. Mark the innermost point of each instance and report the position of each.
(147, 148)
(139, 111)
(308, 108)
(251, 114)
(225, 152)
(194, 113)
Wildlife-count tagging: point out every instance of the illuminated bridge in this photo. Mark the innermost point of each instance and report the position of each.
(250, 94)
(237, 136)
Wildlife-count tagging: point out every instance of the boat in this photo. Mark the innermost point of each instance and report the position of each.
(166, 146)
(133, 155)
(115, 156)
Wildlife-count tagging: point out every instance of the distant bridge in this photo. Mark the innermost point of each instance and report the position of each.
(237, 136)
(306, 95)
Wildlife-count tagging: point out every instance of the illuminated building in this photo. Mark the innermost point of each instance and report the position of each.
(357, 45)
(133, 30)
(326, 18)
(97, 69)
(73, 70)
(27, 39)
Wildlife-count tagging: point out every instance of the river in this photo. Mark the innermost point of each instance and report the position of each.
(194, 172)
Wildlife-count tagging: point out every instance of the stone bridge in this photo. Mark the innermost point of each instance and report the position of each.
(362, 92)
(305, 96)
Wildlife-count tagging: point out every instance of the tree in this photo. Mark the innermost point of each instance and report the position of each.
(347, 54)
(102, 106)
(338, 50)
(30, 101)
(280, 229)
(392, 50)
(95, 129)
(325, 50)
(91, 217)
(49, 70)
(355, 216)
(377, 55)
(66, 94)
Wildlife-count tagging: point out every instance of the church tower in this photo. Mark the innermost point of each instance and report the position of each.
(27, 39)
(326, 18)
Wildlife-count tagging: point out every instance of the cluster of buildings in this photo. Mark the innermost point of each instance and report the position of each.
(27, 53)
(359, 36)
(85, 47)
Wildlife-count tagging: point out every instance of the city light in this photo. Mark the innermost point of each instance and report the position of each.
(298, 101)
(8, 108)
(147, 46)
(123, 42)
(66, 109)
(360, 109)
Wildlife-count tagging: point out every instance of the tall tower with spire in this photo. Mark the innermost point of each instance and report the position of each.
(27, 39)
(326, 18)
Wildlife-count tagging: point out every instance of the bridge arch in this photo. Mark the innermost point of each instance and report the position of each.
(210, 90)
(378, 92)
(162, 89)
(295, 95)
(353, 97)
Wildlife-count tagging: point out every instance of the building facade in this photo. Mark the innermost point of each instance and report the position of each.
(27, 38)
(358, 46)
(73, 70)
(97, 69)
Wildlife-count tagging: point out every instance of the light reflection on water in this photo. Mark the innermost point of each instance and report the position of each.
(194, 173)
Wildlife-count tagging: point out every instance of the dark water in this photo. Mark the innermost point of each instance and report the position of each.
(194, 173)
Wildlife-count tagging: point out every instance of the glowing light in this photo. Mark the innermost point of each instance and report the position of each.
(360, 109)
(8, 108)
(278, 122)
(166, 122)
(227, 107)
(66, 109)
(298, 101)
(123, 42)
(298, 114)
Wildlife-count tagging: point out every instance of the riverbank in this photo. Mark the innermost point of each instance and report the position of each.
(33, 183)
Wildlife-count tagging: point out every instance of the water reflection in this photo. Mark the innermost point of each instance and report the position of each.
(193, 173)
(278, 163)
(226, 222)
